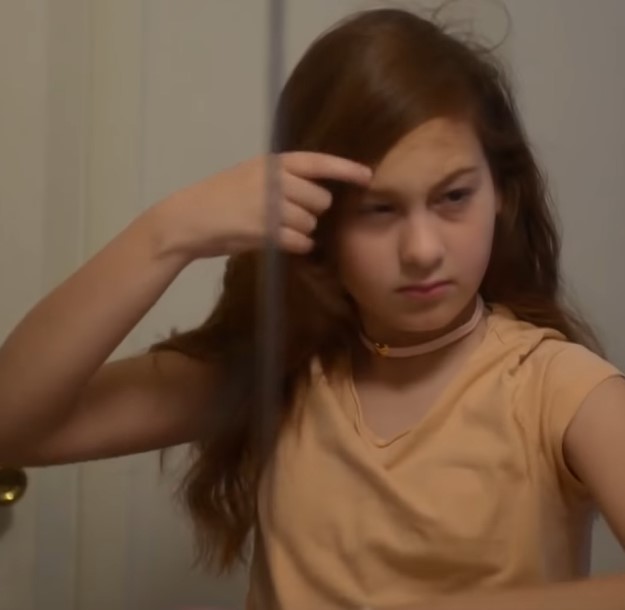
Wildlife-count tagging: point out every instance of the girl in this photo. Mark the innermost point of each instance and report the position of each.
(445, 425)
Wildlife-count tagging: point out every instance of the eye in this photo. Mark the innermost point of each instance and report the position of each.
(376, 208)
(456, 196)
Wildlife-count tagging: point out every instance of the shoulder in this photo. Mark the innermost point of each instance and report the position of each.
(566, 374)
(550, 379)
(548, 375)
(545, 354)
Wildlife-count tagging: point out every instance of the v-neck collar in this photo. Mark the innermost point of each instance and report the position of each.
(445, 400)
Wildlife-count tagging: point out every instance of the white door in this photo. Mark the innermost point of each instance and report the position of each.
(34, 249)
(108, 105)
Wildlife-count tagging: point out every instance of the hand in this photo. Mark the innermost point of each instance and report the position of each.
(227, 213)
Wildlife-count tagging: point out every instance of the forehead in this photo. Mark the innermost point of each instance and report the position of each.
(434, 148)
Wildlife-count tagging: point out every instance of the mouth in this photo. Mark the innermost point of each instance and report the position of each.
(424, 289)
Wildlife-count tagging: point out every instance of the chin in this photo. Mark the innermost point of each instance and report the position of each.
(431, 320)
(393, 318)
(426, 323)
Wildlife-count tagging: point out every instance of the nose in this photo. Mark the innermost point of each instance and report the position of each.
(420, 244)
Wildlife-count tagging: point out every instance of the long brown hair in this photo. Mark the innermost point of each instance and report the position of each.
(358, 89)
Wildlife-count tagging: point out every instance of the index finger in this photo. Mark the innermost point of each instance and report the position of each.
(322, 166)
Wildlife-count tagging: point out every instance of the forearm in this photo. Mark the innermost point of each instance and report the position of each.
(607, 593)
(67, 336)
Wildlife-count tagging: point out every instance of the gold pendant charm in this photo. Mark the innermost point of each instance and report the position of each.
(381, 349)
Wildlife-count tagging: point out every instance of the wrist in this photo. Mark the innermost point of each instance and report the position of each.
(175, 236)
(162, 226)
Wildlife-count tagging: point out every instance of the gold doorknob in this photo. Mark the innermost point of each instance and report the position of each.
(13, 483)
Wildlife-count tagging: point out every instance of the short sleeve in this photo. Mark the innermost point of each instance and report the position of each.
(569, 376)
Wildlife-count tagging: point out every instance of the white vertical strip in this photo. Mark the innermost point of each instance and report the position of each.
(112, 198)
(68, 46)
(23, 103)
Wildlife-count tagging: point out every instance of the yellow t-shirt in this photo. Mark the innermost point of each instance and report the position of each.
(477, 495)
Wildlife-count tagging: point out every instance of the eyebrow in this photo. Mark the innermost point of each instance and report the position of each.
(443, 182)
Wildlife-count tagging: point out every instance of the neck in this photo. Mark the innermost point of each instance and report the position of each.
(405, 372)
(443, 340)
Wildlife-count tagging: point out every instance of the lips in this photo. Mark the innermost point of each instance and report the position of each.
(423, 288)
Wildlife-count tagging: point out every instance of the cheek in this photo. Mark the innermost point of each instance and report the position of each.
(358, 260)
(474, 249)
